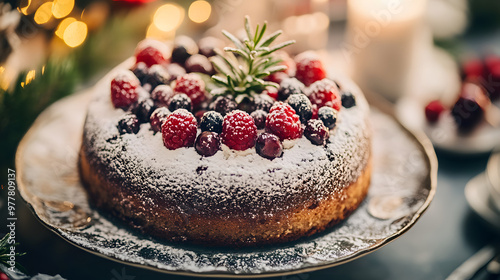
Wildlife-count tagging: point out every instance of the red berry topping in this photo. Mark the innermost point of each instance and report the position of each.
(309, 68)
(269, 146)
(272, 92)
(193, 86)
(325, 93)
(158, 117)
(179, 129)
(315, 110)
(151, 52)
(283, 122)
(433, 110)
(316, 132)
(207, 143)
(472, 68)
(124, 89)
(238, 130)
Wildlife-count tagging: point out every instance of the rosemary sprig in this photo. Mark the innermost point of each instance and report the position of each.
(241, 69)
(5, 250)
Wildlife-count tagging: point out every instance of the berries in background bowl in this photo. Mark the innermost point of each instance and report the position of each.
(162, 94)
(302, 106)
(259, 118)
(207, 143)
(179, 129)
(288, 87)
(269, 146)
(211, 121)
(199, 63)
(158, 117)
(469, 109)
(238, 130)
(433, 110)
(283, 122)
(157, 75)
(309, 68)
(348, 100)
(325, 93)
(328, 116)
(180, 101)
(151, 52)
(472, 68)
(128, 124)
(316, 132)
(193, 86)
(143, 110)
(124, 89)
(184, 47)
(223, 105)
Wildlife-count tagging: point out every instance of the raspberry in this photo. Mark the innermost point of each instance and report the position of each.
(283, 122)
(348, 100)
(143, 110)
(272, 92)
(433, 110)
(124, 89)
(157, 75)
(288, 87)
(179, 130)
(128, 124)
(328, 116)
(158, 117)
(199, 63)
(259, 118)
(316, 132)
(211, 121)
(309, 68)
(184, 47)
(223, 105)
(162, 95)
(325, 93)
(302, 106)
(277, 77)
(207, 143)
(151, 52)
(192, 85)
(238, 130)
(269, 146)
(180, 101)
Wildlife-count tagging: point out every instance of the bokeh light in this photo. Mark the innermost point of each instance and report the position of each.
(199, 11)
(24, 9)
(63, 25)
(75, 34)
(168, 17)
(62, 8)
(43, 13)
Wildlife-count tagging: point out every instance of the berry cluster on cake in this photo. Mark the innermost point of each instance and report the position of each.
(245, 146)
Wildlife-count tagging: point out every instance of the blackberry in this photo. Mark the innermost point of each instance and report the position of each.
(158, 117)
(128, 124)
(140, 70)
(263, 102)
(328, 116)
(316, 132)
(302, 106)
(288, 87)
(157, 75)
(184, 47)
(246, 104)
(348, 100)
(269, 146)
(180, 101)
(211, 121)
(259, 118)
(223, 105)
(208, 45)
(207, 143)
(143, 110)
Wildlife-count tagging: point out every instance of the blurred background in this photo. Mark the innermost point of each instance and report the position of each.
(414, 52)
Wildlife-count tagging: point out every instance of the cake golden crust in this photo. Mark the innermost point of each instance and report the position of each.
(310, 217)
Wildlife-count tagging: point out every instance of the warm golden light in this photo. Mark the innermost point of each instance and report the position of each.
(62, 8)
(44, 13)
(168, 17)
(199, 11)
(24, 9)
(63, 25)
(75, 34)
(30, 76)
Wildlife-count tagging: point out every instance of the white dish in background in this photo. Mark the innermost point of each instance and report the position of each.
(480, 200)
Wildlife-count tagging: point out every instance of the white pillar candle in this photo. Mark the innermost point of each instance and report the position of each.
(381, 42)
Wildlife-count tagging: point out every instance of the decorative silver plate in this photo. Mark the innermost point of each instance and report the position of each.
(402, 187)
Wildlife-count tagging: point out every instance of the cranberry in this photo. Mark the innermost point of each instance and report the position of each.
(269, 146)
(433, 110)
(207, 143)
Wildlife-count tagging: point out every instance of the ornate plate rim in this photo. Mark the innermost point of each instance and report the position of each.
(419, 136)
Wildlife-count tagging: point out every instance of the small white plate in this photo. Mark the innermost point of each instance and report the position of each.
(479, 198)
